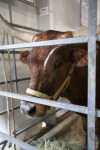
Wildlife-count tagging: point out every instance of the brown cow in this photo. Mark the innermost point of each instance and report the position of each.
(49, 66)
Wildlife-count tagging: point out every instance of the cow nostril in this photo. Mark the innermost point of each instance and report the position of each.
(28, 110)
(32, 111)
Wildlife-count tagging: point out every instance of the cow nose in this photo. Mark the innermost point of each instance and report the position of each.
(28, 110)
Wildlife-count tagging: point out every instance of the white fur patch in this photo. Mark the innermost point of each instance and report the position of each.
(46, 60)
(34, 39)
(63, 36)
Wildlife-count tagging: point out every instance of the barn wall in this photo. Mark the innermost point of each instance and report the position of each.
(60, 15)
(26, 15)
(65, 14)
(43, 18)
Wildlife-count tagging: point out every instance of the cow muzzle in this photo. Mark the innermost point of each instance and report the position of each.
(31, 109)
(40, 110)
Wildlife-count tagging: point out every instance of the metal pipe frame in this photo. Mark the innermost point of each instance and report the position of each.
(66, 41)
(27, 28)
(35, 123)
(90, 110)
(18, 80)
(5, 111)
(12, 39)
(11, 52)
(46, 43)
(17, 142)
(71, 107)
(92, 73)
(31, 125)
(62, 105)
(51, 103)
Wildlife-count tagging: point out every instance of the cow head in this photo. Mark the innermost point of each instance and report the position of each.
(49, 66)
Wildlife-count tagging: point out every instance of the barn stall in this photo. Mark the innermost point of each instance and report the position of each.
(43, 15)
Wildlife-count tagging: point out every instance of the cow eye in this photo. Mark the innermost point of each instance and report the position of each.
(58, 64)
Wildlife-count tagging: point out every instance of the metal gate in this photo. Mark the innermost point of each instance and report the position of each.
(90, 111)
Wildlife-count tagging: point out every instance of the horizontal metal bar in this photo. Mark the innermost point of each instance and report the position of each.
(35, 123)
(17, 142)
(5, 111)
(49, 102)
(11, 52)
(46, 43)
(71, 107)
(27, 28)
(17, 80)
(12, 40)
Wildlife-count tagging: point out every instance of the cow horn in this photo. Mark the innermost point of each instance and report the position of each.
(84, 32)
(21, 35)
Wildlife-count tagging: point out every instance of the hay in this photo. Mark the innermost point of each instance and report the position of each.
(58, 145)
(54, 145)
(71, 139)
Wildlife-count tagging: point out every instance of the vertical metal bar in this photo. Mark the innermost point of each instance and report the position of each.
(80, 12)
(91, 73)
(14, 63)
(12, 39)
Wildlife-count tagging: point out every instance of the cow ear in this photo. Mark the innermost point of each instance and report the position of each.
(79, 57)
(23, 57)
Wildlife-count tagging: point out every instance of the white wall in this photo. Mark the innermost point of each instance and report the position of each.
(65, 14)
(44, 19)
